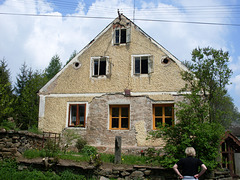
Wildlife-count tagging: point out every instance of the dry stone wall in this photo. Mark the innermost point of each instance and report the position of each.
(120, 172)
(14, 143)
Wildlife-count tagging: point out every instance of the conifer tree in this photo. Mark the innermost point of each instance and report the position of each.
(27, 86)
(6, 96)
(54, 67)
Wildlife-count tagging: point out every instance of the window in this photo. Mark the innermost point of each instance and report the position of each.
(121, 36)
(77, 115)
(100, 66)
(142, 64)
(119, 117)
(163, 114)
(166, 60)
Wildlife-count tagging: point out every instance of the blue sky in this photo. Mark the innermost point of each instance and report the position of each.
(182, 26)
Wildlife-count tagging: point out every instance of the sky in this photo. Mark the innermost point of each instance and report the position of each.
(33, 31)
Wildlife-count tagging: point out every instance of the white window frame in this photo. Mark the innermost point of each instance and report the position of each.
(128, 35)
(92, 66)
(150, 65)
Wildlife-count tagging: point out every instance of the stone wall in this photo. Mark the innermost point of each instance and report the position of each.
(14, 143)
(118, 171)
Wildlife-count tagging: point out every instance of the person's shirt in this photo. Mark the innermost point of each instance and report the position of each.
(189, 165)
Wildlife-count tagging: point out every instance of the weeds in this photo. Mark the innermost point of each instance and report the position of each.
(9, 170)
(80, 144)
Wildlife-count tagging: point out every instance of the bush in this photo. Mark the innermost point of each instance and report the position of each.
(51, 148)
(8, 125)
(80, 144)
(89, 150)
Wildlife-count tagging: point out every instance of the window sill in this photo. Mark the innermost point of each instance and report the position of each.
(121, 44)
(119, 129)
(141, 75)
(80, 128)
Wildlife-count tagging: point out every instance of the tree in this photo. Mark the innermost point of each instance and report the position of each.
(202, 114)
(6, 96)
(27, 86)
(22, 79)
(71, 57)
(53, 68)
(210, 67)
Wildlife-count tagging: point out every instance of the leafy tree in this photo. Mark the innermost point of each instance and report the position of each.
(6, 96)
(201, 115)
(53, 68)
(210, 67)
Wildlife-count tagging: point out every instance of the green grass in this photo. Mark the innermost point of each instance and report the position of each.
(9, 170)
(107, 158)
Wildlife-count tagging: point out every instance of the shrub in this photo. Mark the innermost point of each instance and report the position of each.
(8, 125)
(51, 148)
(89, 150)
(80, 144)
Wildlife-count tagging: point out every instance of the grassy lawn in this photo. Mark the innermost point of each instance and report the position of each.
(107, 158)
(9, 170)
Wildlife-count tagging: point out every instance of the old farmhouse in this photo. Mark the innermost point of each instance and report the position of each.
(123, 83)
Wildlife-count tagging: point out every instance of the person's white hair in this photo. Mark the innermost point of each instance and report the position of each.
(190, 151)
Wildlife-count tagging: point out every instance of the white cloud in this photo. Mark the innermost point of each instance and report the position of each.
(236, 81)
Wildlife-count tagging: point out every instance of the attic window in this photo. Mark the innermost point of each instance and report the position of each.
(166, 60)
(142, 64)
(121, 35)
(100, 66)
(76, 65)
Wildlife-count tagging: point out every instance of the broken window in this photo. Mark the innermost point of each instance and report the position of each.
(163, 114)
(166, 60)
(119, 117)
(100, 66)
(77, 115)
(142, 65)
(122, 36)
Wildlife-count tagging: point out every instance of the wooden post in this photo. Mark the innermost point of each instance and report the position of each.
(118, 144)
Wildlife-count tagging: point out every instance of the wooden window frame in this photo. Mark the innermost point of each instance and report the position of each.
(77, 119)
(120, 118)
(163, 114)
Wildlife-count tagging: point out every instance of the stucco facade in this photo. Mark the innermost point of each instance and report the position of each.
(99, 80)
